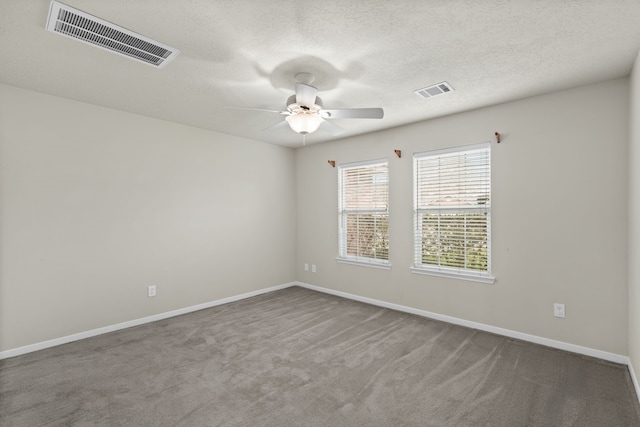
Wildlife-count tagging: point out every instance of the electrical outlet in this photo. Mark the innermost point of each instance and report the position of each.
(558, 310)
(151, 291)
(306, 266)
(313, 268)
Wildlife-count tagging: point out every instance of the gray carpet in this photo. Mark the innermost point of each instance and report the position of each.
(296, 357)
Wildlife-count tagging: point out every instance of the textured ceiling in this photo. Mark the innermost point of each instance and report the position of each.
(366, 53)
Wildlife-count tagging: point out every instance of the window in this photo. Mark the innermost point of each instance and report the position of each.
(364, 213)
(452, 212)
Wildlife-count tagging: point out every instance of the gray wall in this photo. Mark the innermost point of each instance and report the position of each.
(96, 204)
(559, 216)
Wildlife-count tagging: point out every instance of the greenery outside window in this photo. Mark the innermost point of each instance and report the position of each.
(363, 215)
(452, 212)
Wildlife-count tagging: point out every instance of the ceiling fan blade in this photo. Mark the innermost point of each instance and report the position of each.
(279, 125)
(305, 95)
(330, 128)
(353, 113)
(284, 113)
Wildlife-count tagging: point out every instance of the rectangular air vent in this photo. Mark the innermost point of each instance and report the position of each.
(428, 92)
(81, 26)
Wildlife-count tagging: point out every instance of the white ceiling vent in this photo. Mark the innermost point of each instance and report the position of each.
(428, 92)
(81, 26)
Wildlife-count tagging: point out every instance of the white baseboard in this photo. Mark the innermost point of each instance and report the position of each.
(612, 357)
(92, 333)
(636, 385)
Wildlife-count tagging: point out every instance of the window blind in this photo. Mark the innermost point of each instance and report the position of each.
(364, 212)
(452, 210)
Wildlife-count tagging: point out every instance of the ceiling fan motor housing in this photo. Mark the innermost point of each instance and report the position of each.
(294, 107)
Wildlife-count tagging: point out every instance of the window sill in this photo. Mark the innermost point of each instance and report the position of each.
(381, 266)
(453, 275)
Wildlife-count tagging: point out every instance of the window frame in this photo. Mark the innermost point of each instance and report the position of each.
(419, 209)
(343, 212)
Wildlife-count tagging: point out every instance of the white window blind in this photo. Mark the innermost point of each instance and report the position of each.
(364, 212)
(452, 211)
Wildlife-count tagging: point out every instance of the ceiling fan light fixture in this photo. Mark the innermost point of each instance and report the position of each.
(304, 123)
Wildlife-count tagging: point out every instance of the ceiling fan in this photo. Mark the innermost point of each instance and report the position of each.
(305, 113)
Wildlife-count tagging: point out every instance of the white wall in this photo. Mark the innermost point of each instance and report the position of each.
(634, 219)
(559, 216)
(96, 204)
